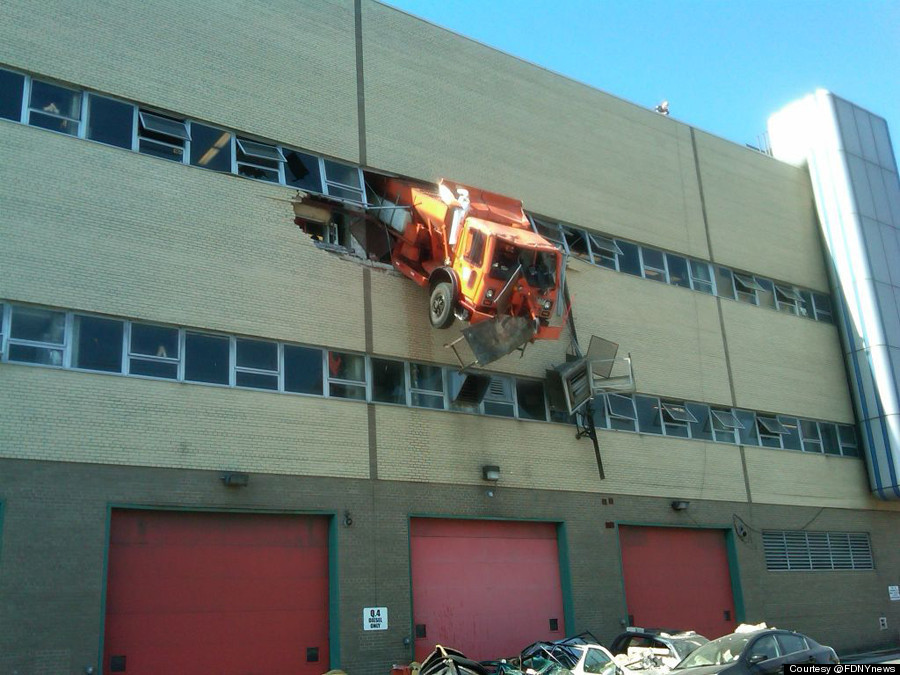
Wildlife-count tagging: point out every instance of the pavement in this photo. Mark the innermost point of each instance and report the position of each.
(886, 656)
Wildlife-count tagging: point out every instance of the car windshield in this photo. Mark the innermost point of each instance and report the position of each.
(538, 267)
(717, 652)
(685, 646)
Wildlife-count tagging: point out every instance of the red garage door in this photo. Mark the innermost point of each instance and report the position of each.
(486, 588)
(216, 593)
(677, 578)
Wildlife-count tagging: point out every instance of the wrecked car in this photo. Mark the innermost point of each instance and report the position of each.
(754, 652)
(578, 655)
(653, 652)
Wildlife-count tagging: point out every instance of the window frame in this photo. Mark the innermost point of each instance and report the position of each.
(328, 183)
(28, 109)
(787, 299)
(729, 426)
(749, 285)
(185, 137)
(662, 271)
(238, 369)
(63, 347)
(277, 159)
(412, 391)
(178, 361)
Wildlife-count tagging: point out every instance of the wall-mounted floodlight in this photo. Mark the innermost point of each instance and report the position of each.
(680, 505)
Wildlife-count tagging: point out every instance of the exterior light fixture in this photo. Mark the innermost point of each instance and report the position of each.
(680, 505)
(490, 473)
(236, 479)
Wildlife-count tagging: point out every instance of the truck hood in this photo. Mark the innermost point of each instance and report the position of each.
(513, 235)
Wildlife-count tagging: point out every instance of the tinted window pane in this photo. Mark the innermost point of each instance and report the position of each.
(530, 395)
(257, 354)
(303, 370)
(790, 643)
(678, 271)
(153, 368)
(210, 148)
(629, 261)
(12, 86)
(110, 122)
(302, 171)
(256, 380)
(38, 325)
(342, 366)
(702, 427)
(98, 344)
(206, 358)
(648, 414)
(160, 341)
(388, 382)
(341, 173)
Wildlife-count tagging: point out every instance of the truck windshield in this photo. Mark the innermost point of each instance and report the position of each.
(538, 267)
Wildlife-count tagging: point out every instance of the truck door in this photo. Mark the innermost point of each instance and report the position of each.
(469, 266)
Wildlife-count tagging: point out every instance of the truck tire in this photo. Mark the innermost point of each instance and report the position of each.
(440, 305)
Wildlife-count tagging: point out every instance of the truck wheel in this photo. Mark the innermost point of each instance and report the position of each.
(440, 306)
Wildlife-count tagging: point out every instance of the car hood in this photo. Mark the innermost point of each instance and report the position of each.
(701, 670)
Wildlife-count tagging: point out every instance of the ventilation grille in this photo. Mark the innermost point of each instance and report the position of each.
(800, 550)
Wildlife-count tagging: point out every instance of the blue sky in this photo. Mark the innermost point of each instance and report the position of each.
(723, 65)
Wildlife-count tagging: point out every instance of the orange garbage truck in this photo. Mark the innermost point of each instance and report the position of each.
(480, 259)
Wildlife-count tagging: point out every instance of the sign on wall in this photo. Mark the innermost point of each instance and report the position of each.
(894, 592)
(375, 618)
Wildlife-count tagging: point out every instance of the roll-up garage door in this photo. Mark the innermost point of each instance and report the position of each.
(486, 588)
(677, 578)
(216, 593)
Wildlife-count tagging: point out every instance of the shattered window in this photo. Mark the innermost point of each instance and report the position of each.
(54, 107)
(649, 421)
(654, 264)
(530, 400)
(342, 180)
(303, 370)
(256, 364)
(259, 160)
(597, 662)
(426, 386)
(790, 439)
(97, 343)
(766, 293)
(153, 351)
(210, 148)
(347, 375)
(809, 431)
(110, 122)
(302, 171)
(630, 260)
(37, 336)
(678, 271)
(162, 136)
(499, 398)
(388, 381)
(12, 88)
(701, 277)
(207, 358)
(848, 440)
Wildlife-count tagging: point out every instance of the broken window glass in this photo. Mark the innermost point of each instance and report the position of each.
(678, 271)
(426, 386)
(54, 107)
(342, 180)
(12, 88)
(701, 277)
(766, 293)
(388, 381)
(823, 308)
(702, 427)
(259, 160)
(206, 358)
(630, 260)
(302, 171)
(110, 122)
(303, 370)
(654, 264)
(153, 351)
(724, 283)
(790, 439)
(530, 399)
(210, 148)
(809, 431)
(97, 344)
(829, 435)
(499, 398)
(256, 364)
(162, 136)
(37, 336)
(649, 421)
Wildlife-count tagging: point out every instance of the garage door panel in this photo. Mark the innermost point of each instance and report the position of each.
(487, 588)
(224, 593)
